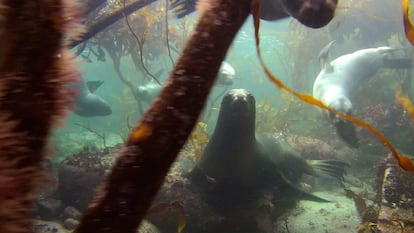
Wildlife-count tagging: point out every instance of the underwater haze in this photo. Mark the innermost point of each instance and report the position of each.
(341, 179)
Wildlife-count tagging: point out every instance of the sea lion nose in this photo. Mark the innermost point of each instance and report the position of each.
(240, 104)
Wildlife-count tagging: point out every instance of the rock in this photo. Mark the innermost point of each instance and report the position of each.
(77, 185)
(396, 198)
(72, 212)
(48, 208)
(40, 226)
(147, 227)
(70, 223)
(81, 174)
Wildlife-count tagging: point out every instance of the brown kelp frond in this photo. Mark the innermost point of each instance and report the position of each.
(167, 32)
(155, 143)
(18, 177)
(34, 71)
(204, 5)
(140, 45)
(403, 161)
(408, 24)
(405, 102)
(72, 17)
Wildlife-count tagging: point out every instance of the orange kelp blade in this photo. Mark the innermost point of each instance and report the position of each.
(408, 24)
(162, 210)
(405, 102)
(403, 161)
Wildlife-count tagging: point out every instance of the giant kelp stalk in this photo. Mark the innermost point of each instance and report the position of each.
(109, 19)
(154, 144)
(34, 69)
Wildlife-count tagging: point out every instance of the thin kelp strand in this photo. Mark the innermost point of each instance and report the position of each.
(408, 25)
(404, 162)
(405, 102)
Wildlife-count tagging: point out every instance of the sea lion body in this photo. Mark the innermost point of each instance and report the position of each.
(238, 159)
(87, 103)
(311, 13)
(339, 79)
(150, 91)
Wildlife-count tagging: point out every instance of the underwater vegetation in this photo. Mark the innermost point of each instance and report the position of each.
(144, 37)
(35, 29)
(198, 140)
(35, 68)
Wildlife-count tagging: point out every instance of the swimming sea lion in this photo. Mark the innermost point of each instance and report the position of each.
(88, 104)
(226, 74)
(311, 13)
(150, 91)
(338, 79)
(236, 160)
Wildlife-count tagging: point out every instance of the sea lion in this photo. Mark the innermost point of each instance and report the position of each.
(150, 91)
(338, 79)
(238, 162)
(311, 13)
(88, 104)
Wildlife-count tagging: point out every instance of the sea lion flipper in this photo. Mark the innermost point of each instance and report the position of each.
(323, 56)
(309, 196)
(181, 8)
(346, 130)
(328, 168)
(294, 191)
(93, 85)
(398, 63)
(199, 176)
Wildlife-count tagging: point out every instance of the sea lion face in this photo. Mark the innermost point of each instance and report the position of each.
(239, 103)
(340, 104)
(148, 92)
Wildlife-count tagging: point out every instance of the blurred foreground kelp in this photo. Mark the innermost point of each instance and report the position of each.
(32, 89)
(35, 68)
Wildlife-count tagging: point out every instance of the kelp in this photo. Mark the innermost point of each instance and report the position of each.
(198, 140)
(408, 24)
(35, 70)
(265, 117)
(108, 20)
(140, 45)
(140, 169)
(403, 161)
(405, 102)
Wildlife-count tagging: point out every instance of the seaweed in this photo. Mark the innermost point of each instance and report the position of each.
(198, 140)
(35, 69)
(155, 142)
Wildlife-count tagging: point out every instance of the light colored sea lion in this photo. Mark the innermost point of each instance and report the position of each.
(338, 79)
(236, 160)
(150, 91)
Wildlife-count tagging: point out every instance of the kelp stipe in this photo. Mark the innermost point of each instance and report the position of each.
(35, 69)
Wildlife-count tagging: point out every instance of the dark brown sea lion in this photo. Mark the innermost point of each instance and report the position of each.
(311, 13)
(237, 162)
